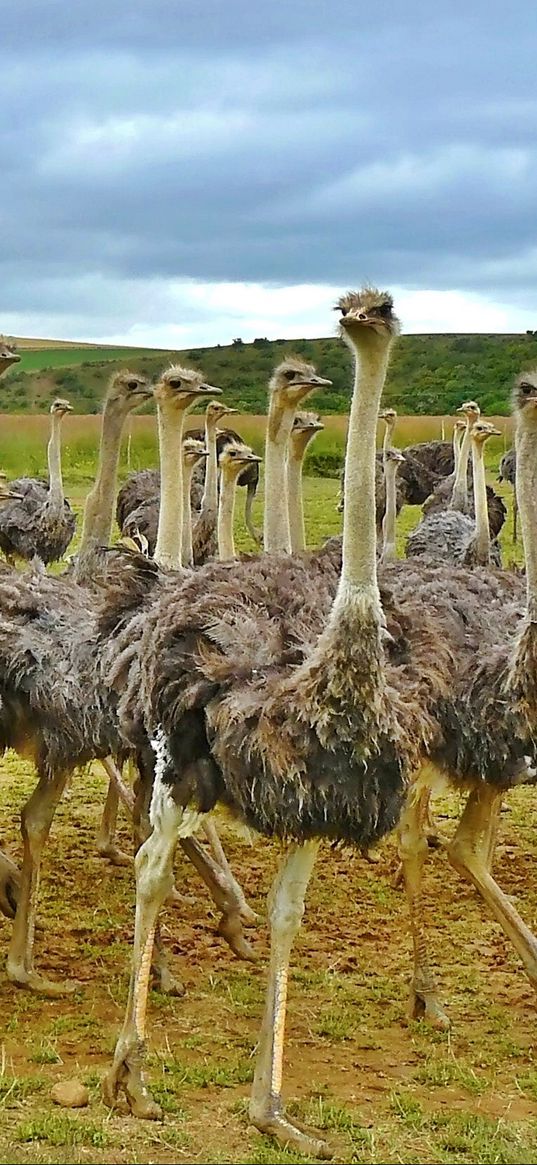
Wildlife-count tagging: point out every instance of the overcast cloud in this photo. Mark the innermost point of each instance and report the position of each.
(179, 173)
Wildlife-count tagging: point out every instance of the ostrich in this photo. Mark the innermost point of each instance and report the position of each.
(393, 460)
(300, 750)
(306, 426)
(488, 724)
(204, 532)
(449, 535)
(8, 355)
(41, 523)
(507, 472)
(234, 459)
(452, 492)
(194, 452)
(293, 381)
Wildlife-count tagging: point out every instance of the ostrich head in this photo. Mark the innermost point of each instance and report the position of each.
(459, 425)
(235, 456)
(8, 354)
(471, 411)
(388, 415)
(524, 397)
(482, 430)
(367, 315)
(293, 380)
(182, 387)
(60, 407)
(216, 409)
(394, 456)
(307, 422)
(126, 391)
(193, 452)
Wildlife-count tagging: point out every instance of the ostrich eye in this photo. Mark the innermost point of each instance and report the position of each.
(384, 310)
(344, 311)
(290, 374)
(132, 384)
(526, 388)
(175, 383)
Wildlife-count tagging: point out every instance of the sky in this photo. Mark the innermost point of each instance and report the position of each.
(177, 173)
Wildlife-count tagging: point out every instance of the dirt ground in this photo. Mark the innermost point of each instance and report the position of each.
(384, 1089)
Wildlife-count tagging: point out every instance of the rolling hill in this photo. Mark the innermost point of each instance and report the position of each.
(428, 374)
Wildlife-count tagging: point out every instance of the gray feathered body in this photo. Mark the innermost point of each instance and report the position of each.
(447, 536)
(507, 470)
(30, 527)
(441, 497)
(434, 456)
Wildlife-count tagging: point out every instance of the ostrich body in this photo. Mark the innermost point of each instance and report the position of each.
(507, 472)
(452, 492)
(40, 523)
(315, 745)
(306, 426)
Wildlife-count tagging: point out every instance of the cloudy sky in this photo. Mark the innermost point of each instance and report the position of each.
(180, 172)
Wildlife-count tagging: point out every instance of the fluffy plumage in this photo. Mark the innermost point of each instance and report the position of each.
(28, 529)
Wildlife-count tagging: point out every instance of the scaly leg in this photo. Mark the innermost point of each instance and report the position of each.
(36, 820)
(285, 909)
(230, 925)
(9, 886)
(471, 853)
(248, 916)
(117, 789)
(154, 879)
(413, 850)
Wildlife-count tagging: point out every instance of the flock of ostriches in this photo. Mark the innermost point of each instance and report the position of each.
(315, 695)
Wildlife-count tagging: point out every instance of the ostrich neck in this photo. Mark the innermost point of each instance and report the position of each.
(99, 508)
(456, 451)
(389, 427)
(295, 499)
(277, 536)
(226, 517)
(187, 553)
(54, 457)
(526, 490)
(209, 501)
(482, 529)
(358, 582)
(459, 496)
(390, 513)
(169, 546)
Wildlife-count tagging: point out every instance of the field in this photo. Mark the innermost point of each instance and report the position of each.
(384, 1088)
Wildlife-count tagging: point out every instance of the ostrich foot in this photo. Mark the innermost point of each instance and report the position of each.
(290, 1134)
(371, 854)
(32, 981)
(176, 898)
(9, 886)
(110, 852)
(125, 1077)
(165, 982)
(230, 928)
(426, 1005)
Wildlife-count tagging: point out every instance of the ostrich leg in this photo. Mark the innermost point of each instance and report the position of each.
(286, 907)
(248, 916)
(9, 886)
(154, 881)
(413, 850)
(36, 820)
(471, 853)
(105, 841)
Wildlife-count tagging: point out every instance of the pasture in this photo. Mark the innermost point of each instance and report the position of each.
(386, 1089)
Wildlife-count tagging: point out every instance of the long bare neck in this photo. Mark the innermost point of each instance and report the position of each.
(277, 535)
(358, 582)
(482, 529)
(209, 501)
(295, 497)
(99, 508)
(390, 512)
(169, 546)
(456, 450)
(187, 553)
(526, 490)
(226, 516)
(459, 496)
(54, 457)
(389, 427)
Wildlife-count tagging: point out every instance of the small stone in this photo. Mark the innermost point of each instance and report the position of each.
(70, 1094)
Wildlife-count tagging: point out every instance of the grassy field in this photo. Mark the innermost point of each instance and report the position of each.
(385, 1089)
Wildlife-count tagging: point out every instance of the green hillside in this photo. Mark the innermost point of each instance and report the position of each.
(428, 374)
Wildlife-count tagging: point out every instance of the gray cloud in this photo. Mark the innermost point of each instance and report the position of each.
(303, 142)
